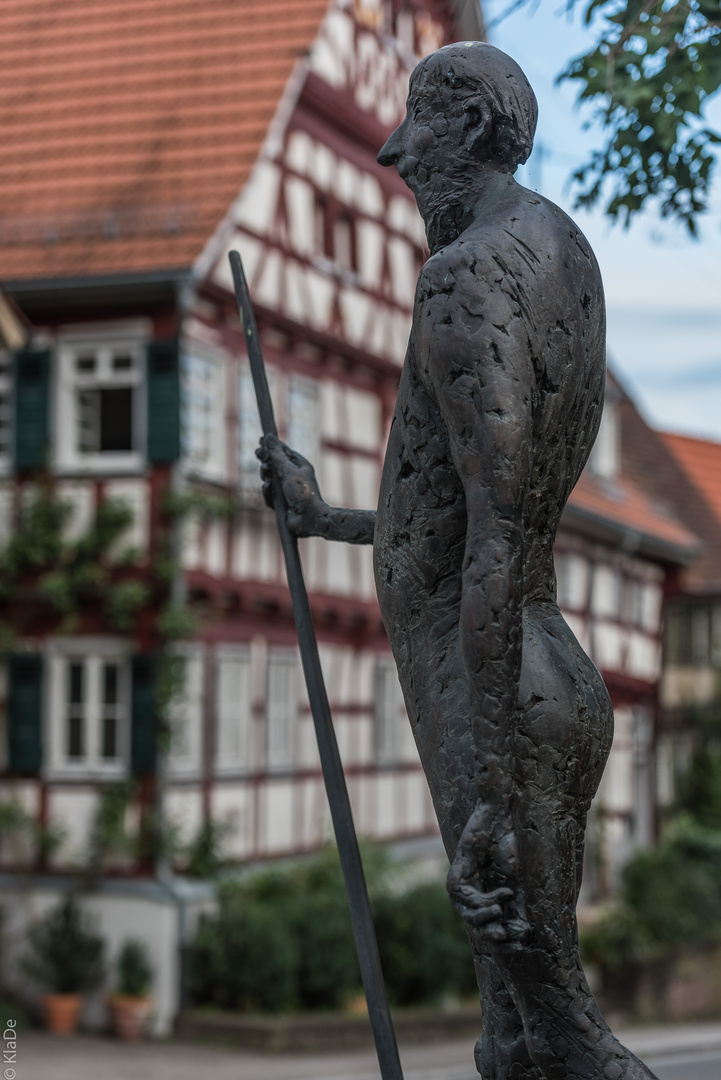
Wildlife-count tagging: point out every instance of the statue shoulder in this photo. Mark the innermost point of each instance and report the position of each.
(462, 265)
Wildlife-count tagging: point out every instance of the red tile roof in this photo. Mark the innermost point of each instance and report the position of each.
(701, 460)
(623, 504)
(128, 129)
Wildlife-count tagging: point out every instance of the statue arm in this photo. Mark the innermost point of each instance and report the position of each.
(307, 513)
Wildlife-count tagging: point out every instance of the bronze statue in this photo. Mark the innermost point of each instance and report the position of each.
(499, 404)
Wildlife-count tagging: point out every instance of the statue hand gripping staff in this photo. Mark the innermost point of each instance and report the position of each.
(499, 403)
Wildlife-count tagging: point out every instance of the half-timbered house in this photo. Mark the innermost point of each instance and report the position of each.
(142, 143)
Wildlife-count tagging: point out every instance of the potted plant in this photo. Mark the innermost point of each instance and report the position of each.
(66, 956)
(131, 1005)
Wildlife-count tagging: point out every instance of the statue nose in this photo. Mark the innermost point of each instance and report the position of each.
(391, 149)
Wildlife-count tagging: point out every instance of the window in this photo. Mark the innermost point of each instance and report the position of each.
(202, 413)
(607, 586)
(604, 459)
(571, 581)
(301, 426)
(249, 432)
(388, 712)
(335, 234)
(281, 708)
(186, 713)
(89, 713)
(6, 410)
(234, 705)
(99, 406)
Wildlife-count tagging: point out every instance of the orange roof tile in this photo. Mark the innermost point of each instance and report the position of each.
(701, 460)
(128, 129)
(622, 503)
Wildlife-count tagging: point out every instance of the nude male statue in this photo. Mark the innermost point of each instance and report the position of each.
(499, 404)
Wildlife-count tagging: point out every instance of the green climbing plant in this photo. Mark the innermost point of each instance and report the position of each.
(41, 563)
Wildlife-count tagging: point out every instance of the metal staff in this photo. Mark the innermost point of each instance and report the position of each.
(335, 786)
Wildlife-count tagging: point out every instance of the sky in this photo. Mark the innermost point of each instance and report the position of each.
(663, 288)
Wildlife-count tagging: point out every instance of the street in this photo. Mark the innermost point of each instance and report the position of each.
(702, 1066)
(687, 1052)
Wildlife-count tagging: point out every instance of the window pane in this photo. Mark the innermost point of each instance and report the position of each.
(110, 713)
(110, 737)
(116, 419)
(76, 683)
(110, 684)
(88, 421)
(122, 363)
(85, 363)
(234, 708)
(249, 431)
(302, 417)
(202, 413)
(281, 711)
(75, 728)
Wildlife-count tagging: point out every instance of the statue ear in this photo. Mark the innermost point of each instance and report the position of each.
(476, 125)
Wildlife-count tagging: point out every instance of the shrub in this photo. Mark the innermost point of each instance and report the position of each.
(423, 945)
(135, 972)
(282, 939)
(244, 957)
(670, 896)
(66, 954)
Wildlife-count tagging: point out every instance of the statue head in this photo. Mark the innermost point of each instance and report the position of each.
(470, 108)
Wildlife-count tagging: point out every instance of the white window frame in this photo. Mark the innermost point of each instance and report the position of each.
(186, 712)
(7, 391)
(234, 721)
(215, 466)
(92, 653)
(281, 719)
(68, 457)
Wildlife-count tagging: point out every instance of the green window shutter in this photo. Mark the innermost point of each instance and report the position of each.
(163, 382)
(25, 697)
(143, 718)
(32, 396)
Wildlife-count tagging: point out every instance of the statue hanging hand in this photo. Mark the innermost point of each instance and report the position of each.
(298, 482)
(487, 855)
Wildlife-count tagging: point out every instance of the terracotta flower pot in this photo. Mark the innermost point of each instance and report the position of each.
(129, 1015)
(62, 1012)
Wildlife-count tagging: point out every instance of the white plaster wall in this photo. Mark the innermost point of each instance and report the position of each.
(117, 917)
(72, 810)
(276, 816)
(216, 549)
(135, 494)
(617, 791)
(256, 552)
(80, 495)
(231, 804)
(183, 810)
(643, 658)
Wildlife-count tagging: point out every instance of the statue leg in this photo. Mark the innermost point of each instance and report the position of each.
(501, 1052)
(565, 1034)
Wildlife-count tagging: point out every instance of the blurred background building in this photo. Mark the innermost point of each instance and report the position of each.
(153, 701)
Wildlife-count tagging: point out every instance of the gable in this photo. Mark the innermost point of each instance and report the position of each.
(318, 178)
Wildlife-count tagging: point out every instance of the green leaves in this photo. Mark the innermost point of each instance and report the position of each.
(654, 66)
(65, 951)
(68, 574)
